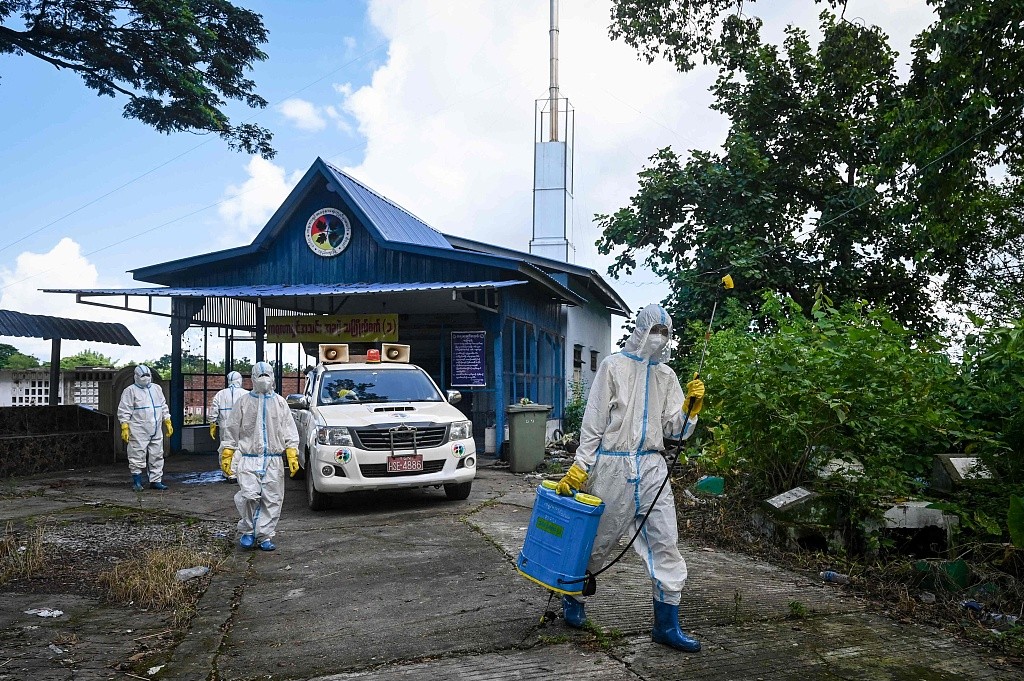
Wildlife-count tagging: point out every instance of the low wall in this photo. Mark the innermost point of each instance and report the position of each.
(43, 439)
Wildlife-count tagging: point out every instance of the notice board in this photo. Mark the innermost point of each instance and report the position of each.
(469, 359)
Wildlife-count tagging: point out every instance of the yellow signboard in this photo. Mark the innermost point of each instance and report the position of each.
(366, 328)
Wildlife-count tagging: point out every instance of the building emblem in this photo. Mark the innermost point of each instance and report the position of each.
(328, 232)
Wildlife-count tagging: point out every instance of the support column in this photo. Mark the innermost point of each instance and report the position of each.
(494, 324)
(261, 331)
(54, 370)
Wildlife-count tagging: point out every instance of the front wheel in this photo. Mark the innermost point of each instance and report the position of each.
(458, 491)
(317, 500)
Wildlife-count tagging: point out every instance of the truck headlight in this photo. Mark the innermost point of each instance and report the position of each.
(461, 430)
(334, 435)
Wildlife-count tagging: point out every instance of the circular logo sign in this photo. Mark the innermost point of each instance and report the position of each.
(328, 232)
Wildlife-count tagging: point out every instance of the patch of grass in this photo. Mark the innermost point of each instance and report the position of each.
(21, 555)
(797, 610)
(148, 580)
(603, 639)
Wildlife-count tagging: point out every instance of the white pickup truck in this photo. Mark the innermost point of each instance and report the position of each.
(380, 425)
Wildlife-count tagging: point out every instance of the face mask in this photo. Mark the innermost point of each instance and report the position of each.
(654, 345)
(263, 384)
(143, 381)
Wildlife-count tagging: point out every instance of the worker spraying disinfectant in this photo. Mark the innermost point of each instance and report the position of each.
(635, 403)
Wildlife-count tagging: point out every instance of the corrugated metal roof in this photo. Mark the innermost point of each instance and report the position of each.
(276, 290)
(394, 222)
(40, 326)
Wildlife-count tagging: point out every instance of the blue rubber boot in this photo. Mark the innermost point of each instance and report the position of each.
(157, 485)
(267, 545)
(573, 611)
(666, 629)
(247, 541)
(137, 482)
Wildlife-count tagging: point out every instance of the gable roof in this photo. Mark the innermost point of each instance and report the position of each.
(398, 229)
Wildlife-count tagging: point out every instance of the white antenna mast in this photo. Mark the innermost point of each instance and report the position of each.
(553, 88)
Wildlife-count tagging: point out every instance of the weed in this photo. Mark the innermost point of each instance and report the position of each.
(797, 610)
(148, 580)
(603, 639)
(21, 556)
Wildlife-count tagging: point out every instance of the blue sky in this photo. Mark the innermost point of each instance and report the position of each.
(430, 103)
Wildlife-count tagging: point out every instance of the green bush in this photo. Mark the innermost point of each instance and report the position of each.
(847, 384)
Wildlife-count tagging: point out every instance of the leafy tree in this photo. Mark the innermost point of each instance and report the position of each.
(21, 361)
(176, 61)
(86, 358)
(833, 171)
(797, 199)
(958, 127)
(5, 353)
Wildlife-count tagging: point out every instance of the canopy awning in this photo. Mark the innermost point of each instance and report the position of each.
(235, 306)
(41, 326)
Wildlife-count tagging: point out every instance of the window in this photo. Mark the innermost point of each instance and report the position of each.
(593, 360)
(577, 356)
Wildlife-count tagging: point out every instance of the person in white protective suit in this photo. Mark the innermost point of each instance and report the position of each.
(258, 433)
(223, 402)
(141, 412)
(635, 402)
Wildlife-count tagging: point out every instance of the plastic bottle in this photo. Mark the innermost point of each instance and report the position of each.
(834, 577)
(185, 574)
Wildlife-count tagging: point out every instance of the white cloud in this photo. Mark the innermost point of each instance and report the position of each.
(64, 266)
(449, 117)
(303, 115)
(249, 205)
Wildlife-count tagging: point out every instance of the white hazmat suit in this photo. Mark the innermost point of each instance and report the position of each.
(144, 409)
(636, 402)
(225, 399)
(259, 430)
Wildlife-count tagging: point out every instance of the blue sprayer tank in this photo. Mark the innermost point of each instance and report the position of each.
(559, 539)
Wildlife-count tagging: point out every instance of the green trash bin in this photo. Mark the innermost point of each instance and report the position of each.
(527, 427)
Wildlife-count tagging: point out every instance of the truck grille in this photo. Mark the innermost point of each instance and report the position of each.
(379, 440)
(380, 470)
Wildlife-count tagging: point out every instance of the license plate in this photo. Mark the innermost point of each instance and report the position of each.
(405, 464)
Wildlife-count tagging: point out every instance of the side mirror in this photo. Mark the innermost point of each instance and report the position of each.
(454, 397)
(297, 401)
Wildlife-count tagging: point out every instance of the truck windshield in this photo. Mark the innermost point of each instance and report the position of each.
(353, 386)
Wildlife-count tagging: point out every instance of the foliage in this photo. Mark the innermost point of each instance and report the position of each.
(846, 383)
(176, 61)
(797, 199)
(86, 358)
(12, 358)
(834, 172)
(572, 415)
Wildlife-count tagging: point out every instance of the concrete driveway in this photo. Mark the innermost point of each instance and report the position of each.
(410, 585)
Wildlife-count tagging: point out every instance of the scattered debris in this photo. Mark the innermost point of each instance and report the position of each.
(44, 612)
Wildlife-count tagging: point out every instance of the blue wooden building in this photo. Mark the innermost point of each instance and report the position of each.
(337, 248)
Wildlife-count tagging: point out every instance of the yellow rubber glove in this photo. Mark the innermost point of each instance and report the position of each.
(572, 480)
(124, 433)
(225, 461)
(168, 428)
(213, 431)
(293, 461)
(694, 396)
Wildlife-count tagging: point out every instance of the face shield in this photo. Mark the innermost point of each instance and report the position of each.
(235, 379)
(143, 376)
(263, 378)
(651, 339)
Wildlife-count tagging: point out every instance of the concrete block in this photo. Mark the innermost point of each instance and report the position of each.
(952, 470)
